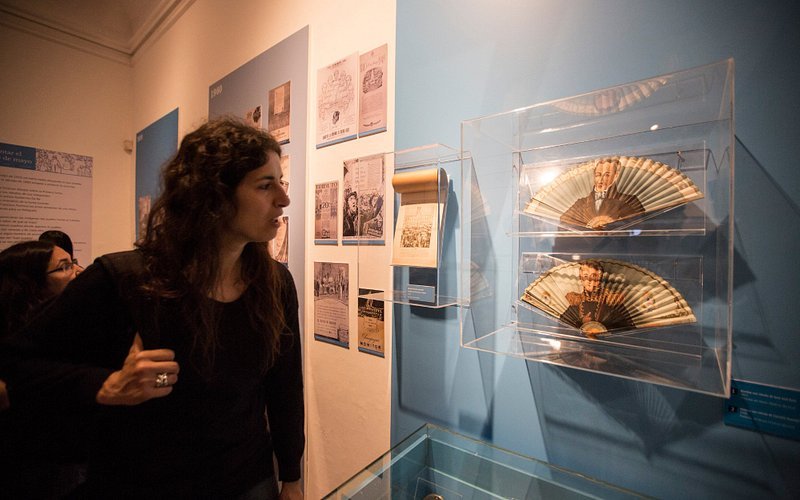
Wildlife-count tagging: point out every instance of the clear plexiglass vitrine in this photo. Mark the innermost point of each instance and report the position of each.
(598, 230)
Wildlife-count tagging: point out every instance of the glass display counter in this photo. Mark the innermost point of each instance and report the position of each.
(436, 464)
(599, 230)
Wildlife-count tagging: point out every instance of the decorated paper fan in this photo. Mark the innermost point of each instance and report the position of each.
(600, 295)
(603, 191)
(611, 100)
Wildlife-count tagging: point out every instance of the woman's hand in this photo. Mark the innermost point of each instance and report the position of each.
(291, 491)
(136, 382)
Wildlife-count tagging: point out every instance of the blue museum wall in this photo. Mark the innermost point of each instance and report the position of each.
(466, 59)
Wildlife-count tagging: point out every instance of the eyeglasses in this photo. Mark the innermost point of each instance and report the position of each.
(64, 267)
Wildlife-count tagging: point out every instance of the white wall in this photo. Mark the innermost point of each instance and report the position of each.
(347, 392)
(59, 98)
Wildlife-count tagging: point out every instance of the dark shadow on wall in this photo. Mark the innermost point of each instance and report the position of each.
(430, 367)
(766, 346)
(637, 435)
(650, 415)
(420, 359)
(667, 434)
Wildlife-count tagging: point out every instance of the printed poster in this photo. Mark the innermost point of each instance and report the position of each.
(286, 172)
(372, 92)
(279, 121)
(331, 305)
(279, 246)
(337, 102)
(326, 201)
(364, 188)
(42, 190)
(370, 322)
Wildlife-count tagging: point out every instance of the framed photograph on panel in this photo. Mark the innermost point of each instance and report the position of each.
(279, 119)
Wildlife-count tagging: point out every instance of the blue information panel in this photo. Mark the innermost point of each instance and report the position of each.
(246, 91)
(155, 145)
(15, 156)
(764, 408)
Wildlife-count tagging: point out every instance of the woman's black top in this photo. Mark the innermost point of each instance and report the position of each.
(212, 437)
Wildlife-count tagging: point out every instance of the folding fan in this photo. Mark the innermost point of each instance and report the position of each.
(611, 100)
(640, 186)
(600, 295)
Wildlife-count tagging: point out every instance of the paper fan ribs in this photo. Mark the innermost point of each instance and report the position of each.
(598, 193)
(598, 296)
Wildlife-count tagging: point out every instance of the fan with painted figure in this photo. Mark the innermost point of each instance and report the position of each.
(598, 296)
(602, 192)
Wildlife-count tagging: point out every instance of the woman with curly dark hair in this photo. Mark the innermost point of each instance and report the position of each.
(187, 349)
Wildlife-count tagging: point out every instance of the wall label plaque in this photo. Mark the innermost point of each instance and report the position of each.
(421, 293)
(764, 408)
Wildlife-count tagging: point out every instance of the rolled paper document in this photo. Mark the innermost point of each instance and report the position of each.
(419, 180)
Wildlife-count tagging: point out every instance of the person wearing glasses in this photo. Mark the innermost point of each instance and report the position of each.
(35, 462)
(62, 239)
(31, 272)
(185, 351)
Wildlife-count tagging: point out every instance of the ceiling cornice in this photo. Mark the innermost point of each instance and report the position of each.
(158, 22)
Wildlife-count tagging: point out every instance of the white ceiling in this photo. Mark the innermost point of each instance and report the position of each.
(112, 28)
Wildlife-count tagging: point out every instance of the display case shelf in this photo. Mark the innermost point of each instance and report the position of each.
(657, 230)
(425, 236)
(433, 463)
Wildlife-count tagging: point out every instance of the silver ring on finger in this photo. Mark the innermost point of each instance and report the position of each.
(162, 380)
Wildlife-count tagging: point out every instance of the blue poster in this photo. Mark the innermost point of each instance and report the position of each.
(155, 145)
(15, 156)
(250, 92)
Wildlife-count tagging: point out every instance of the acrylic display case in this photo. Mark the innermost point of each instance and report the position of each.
(665, 266)
(424, 238)
(435, 464)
